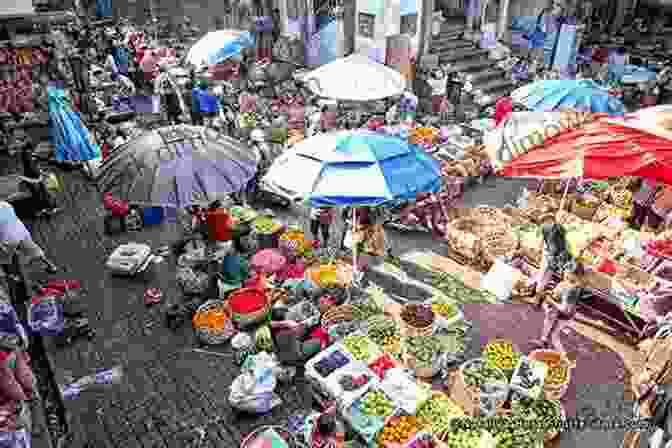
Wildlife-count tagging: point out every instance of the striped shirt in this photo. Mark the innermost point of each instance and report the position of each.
(646, 193)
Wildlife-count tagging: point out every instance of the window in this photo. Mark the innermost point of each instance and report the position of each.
(366, 23)
(409, 24)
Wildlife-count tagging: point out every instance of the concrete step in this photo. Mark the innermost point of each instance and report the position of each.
(450, 45)
(495, 84)
(484, 76)
(470, 66)
(463, 54)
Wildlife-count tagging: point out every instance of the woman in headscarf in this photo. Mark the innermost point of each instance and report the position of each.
(556, 259)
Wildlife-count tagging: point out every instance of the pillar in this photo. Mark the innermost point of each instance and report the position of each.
(503, 22)
(341, 39)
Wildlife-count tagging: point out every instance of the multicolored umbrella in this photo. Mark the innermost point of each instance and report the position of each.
(583, 95)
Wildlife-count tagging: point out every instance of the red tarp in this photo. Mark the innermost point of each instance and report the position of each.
(609, 150)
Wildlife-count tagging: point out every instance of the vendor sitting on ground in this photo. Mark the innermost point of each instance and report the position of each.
(559, 315)
(556, 259)
(290, 339)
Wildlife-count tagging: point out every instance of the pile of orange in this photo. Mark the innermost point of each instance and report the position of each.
(398, 430)
(213, 319)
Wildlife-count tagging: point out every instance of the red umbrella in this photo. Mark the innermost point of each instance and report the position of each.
(268, 261)
(607, 148)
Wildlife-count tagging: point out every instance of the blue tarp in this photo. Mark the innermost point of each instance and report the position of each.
(66, 132)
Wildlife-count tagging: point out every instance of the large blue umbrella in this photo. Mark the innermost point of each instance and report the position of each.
(177, 167)
(218, 46)
(70, 138)
(364, 168)
(584, 95)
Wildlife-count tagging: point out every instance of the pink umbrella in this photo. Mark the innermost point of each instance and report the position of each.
(268, 261)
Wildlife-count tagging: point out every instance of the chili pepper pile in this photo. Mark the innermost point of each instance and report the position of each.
(661, 248)
(382, 364)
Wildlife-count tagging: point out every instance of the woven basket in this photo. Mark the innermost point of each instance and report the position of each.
(212, 336)
(247, 319)
(620, 196)
(507, 372)
(584, 210)
(407, 330)
(499, 243)
(469, 397)
(337, 315)
(554, 391)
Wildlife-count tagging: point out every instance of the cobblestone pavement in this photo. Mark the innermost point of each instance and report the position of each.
(169, 391)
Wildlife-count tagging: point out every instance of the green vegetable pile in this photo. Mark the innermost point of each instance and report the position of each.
(462, 439)
(435, 414)
(545, 413)
(376, 403)
(511, 434)
(383, 331)
(455, 289)
(360, 347)
(423, 348)
(366, 309)
(477, 373)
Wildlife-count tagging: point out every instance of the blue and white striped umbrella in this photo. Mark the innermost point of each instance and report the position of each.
(218, 46)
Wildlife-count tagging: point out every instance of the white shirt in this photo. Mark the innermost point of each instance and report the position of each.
(438, 86)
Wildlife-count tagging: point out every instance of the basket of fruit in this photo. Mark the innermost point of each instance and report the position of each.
(585, 206)
(470, 377)
(447, 314)
(361, 347)
(559, 373)
(249, 306)
(213, 323)
(292, 243)
(436, 413)
(337, 315)
(417, 320)
(398, 431)
(384, 332)
(423, 355)
(620, 196)
(382, 364)
(367, 415)
(501, 354)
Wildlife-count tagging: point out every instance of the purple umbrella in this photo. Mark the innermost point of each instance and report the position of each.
(177, 167)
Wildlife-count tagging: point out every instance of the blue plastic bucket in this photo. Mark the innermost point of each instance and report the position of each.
(152, 215)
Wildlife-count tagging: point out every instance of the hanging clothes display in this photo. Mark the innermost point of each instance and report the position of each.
(104, 8)
(66, 132)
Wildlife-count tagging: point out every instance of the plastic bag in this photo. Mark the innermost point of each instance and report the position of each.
(254, 389)
(499, 280)
(45, 315)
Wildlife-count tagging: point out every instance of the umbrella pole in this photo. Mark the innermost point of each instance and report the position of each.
(564, 198)
(355, 271)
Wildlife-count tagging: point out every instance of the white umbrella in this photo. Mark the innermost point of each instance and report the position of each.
(355, 78)
(217, 46)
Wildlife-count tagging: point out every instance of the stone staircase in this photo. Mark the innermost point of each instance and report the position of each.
(466, 57)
